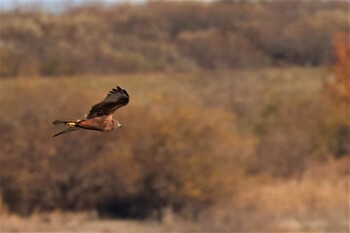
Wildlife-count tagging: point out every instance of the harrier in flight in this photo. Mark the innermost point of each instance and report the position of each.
(100, 116)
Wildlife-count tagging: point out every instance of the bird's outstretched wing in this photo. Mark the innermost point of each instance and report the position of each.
(115, 99)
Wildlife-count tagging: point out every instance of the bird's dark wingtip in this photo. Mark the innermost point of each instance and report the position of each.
(119, 89)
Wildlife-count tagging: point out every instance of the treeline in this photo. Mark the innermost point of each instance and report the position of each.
(188, 141)
(163, 36)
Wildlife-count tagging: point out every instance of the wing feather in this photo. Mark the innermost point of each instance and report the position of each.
(115, 99)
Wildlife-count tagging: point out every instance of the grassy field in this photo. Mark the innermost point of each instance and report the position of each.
(314, 203)
(261, 153)
(83, 222)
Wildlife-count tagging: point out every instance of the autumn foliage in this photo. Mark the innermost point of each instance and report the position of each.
(168, 36)
(341, 84)
(228, 125)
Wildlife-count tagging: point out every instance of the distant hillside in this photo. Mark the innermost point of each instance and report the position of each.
(163, 36)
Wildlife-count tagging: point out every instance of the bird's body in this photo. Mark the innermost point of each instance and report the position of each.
(103, 123)
(100, 117)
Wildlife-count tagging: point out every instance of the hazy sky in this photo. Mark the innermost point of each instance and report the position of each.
(55, 5)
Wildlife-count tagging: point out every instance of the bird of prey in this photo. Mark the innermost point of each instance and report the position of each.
(100, 116)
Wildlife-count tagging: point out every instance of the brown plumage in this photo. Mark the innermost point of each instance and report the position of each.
(100, 116)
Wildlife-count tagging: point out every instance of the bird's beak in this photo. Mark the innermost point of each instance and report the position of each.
(119, 125)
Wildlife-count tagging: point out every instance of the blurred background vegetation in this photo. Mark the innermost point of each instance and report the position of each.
(163, 36)
(238, 119)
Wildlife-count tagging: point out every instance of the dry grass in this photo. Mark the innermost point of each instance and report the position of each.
(316, 202)
(86, 222)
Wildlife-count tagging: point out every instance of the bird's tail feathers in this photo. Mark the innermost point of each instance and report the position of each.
(70, 123)
(67, 130)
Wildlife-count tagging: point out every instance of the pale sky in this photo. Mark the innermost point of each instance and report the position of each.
(52, 5)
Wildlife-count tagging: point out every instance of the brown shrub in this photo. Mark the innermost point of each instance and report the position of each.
(189, 141)
(158, 36)
(158, 157)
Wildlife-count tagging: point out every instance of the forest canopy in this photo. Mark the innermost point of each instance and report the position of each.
(168, 36)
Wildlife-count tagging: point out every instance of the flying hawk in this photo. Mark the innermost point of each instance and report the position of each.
(100, 116)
